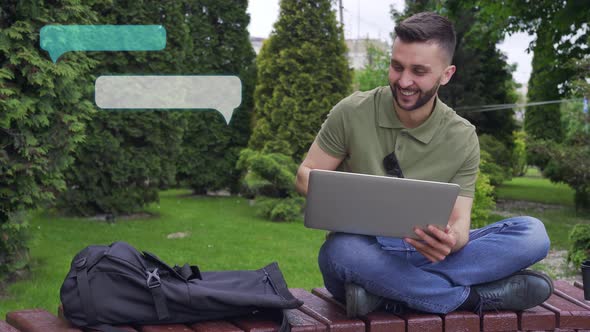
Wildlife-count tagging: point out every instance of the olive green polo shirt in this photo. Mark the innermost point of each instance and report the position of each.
(363, 128)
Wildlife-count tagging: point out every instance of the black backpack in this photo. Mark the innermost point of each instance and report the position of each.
(111, 285)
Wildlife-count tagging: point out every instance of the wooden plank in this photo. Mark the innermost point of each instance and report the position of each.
(326, 295)
(327, 313)
(499, 321)
(38, 320)
(165, 328)
(569, 315)
(571, 293)
(461, 321)
(382, 321)
(420, 322)
(271, 321)
(215, 326)
(258, 324)
(537, 318)
(5, 327)
(378, 321)
(302, 322)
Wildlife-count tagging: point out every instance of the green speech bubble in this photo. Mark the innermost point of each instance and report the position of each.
(59, 39)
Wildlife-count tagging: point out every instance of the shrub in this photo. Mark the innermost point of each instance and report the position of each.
(519, 161)
(271, 177)
(483, 202)
(498, 157)
(568, 163)
(579, 249)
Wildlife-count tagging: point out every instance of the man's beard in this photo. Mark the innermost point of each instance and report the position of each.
(422, 100)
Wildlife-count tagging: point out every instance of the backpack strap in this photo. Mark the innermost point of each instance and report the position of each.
(285, 327)
(155, 287)
(84, 290)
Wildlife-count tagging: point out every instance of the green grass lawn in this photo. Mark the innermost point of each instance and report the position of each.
(224, 234)
(534, 188)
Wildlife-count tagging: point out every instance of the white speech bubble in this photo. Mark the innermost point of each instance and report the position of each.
(222, 93)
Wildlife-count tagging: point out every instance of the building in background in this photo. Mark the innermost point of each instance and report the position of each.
(358, 56)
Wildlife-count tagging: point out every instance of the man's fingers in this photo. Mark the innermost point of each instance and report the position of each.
(441, 247)
(426, 250)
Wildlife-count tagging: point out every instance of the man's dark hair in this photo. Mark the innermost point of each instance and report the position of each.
(428, 27)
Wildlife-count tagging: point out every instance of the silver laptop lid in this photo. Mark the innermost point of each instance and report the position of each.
(376, 205)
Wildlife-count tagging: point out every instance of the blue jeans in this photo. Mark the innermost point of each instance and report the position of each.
(392, 268)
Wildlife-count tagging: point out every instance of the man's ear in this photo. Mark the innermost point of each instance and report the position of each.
(447, 74)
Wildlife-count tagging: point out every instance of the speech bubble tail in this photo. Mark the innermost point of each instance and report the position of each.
(227, 115)
(54, 56)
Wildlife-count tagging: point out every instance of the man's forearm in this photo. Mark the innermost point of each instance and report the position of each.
(462, 235)
(302, 180)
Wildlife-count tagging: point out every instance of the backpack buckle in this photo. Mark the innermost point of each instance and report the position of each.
(153, 279)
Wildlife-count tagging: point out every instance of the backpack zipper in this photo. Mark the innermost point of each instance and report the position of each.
(268, 279)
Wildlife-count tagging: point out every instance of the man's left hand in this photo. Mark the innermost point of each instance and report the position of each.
(435, 245)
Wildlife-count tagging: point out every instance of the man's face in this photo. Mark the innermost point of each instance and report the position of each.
(416, 72)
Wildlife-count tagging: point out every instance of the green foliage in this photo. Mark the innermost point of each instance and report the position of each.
(579, 244)
(43, 108)
(210, 148)
(130, 155)
(280, 209)
(375, 73)
(544, 121)
(302, 74)
(483, 202)
(519, 161)
(498, 159)
(569, 163)
(271, 177)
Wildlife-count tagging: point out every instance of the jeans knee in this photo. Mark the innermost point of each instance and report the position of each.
(343, 249)
(537, 238)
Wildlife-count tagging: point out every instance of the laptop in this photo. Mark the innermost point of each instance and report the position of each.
(376, 205)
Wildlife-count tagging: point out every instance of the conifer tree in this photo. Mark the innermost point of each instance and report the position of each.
(43, 109)
(210, 147)
(302, 73)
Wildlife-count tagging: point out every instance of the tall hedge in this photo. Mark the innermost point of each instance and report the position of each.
(129, 155)
(302, 73)
(43, 108)
(210, 147)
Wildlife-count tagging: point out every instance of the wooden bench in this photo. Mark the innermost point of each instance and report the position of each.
(566, 310)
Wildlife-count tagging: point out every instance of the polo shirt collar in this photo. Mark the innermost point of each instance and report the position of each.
(387, 118)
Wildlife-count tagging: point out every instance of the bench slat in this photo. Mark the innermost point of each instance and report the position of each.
(537, 318)
(461, 321)
(499, 321)
(215, 326)
(165, 328)
(327, 313)
(418, 322)
(38, 320)
(571, 293)
(569, 315)
(375, 322)
(5, 327)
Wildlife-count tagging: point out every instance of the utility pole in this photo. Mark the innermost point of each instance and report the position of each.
(341, 9)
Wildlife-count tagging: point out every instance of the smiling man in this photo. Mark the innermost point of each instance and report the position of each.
(406, 130)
